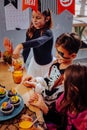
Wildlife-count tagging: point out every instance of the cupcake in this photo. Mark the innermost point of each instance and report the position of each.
(2, 92)
(12, 92)
(6, 107)
(15, 100)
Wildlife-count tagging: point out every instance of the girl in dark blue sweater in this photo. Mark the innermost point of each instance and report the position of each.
(39, 37)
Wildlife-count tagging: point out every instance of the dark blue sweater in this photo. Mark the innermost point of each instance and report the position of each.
(42, 47)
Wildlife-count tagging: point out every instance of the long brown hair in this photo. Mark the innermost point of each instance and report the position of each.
(75, 86)
(48, 25)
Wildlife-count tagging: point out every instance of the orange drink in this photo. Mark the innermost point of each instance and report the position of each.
(17, 76)
(17, 63)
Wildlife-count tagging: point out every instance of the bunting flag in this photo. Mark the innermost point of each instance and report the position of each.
(13, 2)
(16, 19)
(66, 5)
(30, 3)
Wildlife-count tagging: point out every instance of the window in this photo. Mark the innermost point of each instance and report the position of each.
(81, 8)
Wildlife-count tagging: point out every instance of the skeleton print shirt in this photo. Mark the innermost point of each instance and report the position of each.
(49, 94)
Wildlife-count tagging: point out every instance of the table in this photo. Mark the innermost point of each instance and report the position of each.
(12, 124)
(5, 76)
(79, 24)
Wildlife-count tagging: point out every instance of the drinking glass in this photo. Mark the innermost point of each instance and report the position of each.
(17, 76)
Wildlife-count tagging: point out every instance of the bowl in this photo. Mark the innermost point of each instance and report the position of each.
(25, 124)
(14, 102)
(7, 111)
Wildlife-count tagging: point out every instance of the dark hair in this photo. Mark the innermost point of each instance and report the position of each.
(71, 42)
(49, 23)
(31, 29)
(75, 88)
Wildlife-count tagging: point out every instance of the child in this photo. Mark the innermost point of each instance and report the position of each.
(71, 106)
(39, 36)
(67, 46)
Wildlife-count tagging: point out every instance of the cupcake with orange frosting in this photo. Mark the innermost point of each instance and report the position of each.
(6, 107)
(2, 92)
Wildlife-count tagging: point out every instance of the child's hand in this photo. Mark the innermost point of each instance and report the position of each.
(29, 81)
(16, 52)
(37, 100)
(26, 117)
(8, 45)
(27, 78)
(29, 84)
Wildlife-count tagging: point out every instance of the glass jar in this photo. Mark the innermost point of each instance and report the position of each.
(17, 76)
(18, 63)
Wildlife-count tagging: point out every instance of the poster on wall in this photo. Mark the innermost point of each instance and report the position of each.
(15, 17)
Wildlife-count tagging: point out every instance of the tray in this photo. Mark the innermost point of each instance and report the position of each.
(16, 111)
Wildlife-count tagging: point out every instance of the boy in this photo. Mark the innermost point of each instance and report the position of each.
(67, 45)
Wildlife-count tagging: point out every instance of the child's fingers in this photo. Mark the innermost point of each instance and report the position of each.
(34, 98)
(25, 84)
(29, 78)
(15, 55)
(26, 78)
(29, 84)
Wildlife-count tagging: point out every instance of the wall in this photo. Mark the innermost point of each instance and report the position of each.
(15, 36)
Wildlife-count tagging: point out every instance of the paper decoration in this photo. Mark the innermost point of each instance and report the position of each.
(66, 5)
(15, 18)
(56, 6)
(14, 2)
(30, 3)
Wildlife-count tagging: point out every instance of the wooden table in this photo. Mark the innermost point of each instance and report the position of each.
(79, 24)
(6, 76)
(12, 124)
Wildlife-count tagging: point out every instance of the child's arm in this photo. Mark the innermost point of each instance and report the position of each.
(37, 100)
(17, 50)
(37, 83)
(46, 36)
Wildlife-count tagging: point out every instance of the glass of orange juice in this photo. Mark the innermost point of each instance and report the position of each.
(17, 76)
(18, 63)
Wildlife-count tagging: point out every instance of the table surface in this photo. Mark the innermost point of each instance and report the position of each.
(6, 76)
(12, 124)
(79, 21)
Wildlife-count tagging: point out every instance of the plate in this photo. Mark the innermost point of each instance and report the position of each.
(16, 111)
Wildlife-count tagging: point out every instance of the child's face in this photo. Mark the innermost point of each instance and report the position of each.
(63, 55)
(38, 20)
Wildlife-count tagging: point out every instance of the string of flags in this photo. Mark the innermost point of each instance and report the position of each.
(13, 2)
(61, 5)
